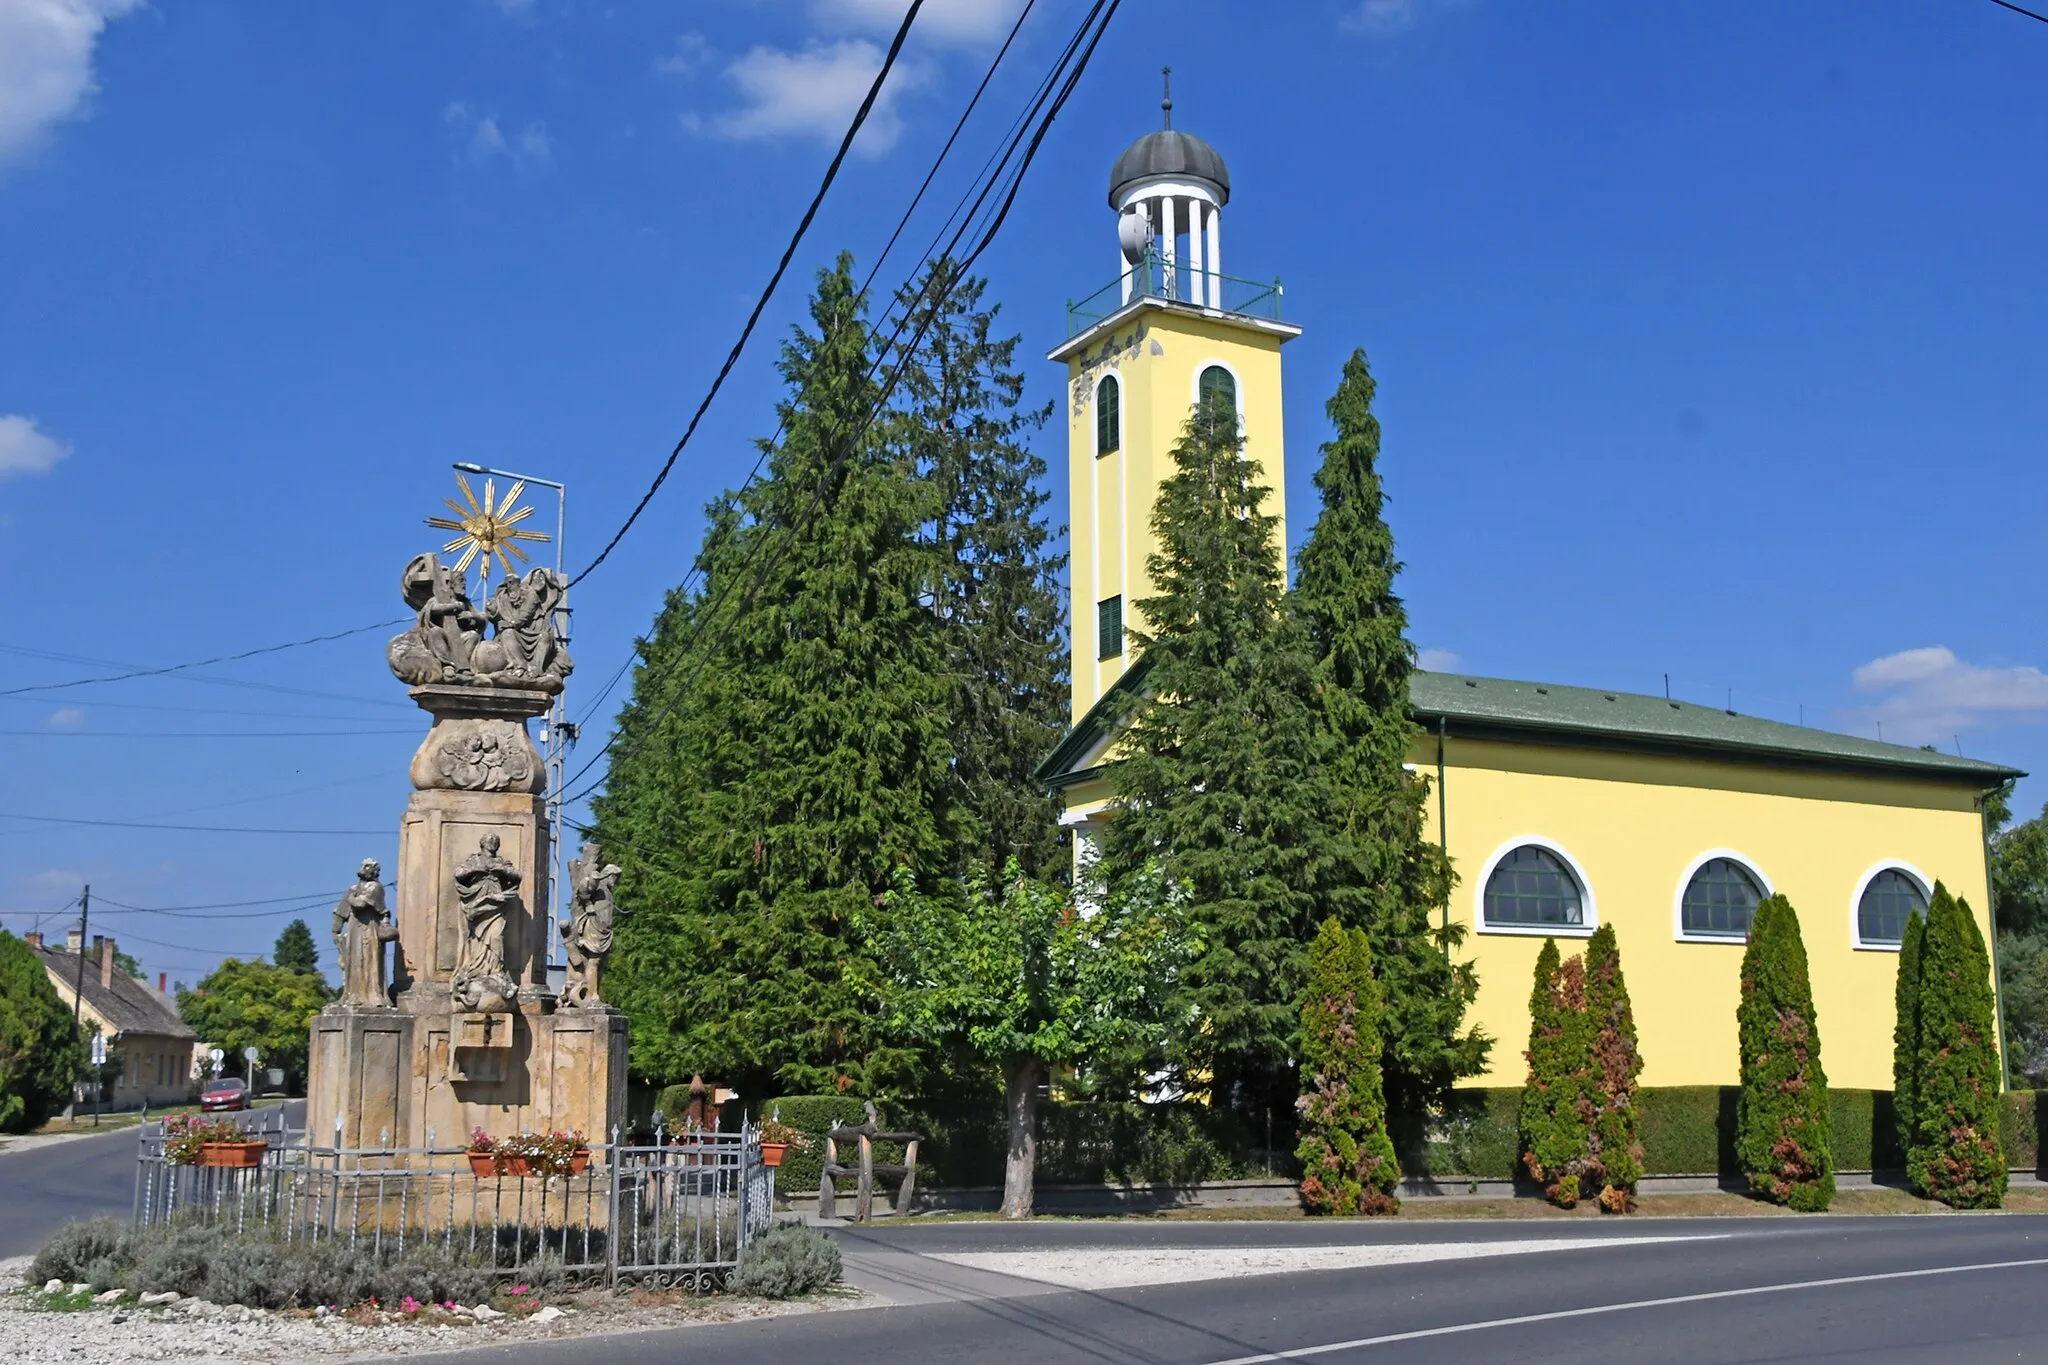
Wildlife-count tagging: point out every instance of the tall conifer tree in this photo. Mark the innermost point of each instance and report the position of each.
(1784, 1129)
(962, 425)
(1906, 1039)
(1347, 1159)
(808, 759)
(1616, 1061)
(1222, 780)
(1358, 627)
(1957, 1156)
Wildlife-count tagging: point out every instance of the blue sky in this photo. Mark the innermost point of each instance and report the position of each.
(1709, 340)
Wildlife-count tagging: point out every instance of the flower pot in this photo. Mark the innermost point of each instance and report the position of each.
(773, 1152)
(515, 1165)
(483, 1163)
(579, 1161)
(240, 1156)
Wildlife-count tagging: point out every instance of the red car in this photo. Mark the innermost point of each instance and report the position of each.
(223, 1094)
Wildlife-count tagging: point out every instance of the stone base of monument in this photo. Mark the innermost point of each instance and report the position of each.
(401, 1080)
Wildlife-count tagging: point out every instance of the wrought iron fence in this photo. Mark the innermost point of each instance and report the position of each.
(678, 1211)
(1156, 277)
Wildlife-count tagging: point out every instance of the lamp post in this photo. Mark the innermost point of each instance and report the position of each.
(559, 730)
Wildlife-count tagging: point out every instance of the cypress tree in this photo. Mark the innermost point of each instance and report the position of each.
(1616, 1142)
(1347, 1159)
(1958, 1158)
(806, 762)
(1558, 1107)
(1357, 626)
(1906, 1040)
(962, 425)
(1221, 780)
(1784, 1133)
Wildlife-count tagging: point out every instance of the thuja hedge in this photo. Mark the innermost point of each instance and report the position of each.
(1690, 1130)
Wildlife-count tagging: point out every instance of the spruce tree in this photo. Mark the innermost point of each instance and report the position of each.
(1784, 1132)
(1958, 1158)
(1357, 626)
(960, 422)
(785, 753)
(295, 950)
(1221, 781)
(1906, 1040)
(1558, 1105)
(1347, 1159)
(1615, 1139)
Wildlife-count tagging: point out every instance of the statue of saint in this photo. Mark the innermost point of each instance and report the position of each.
(440, 645)
(362, 926)
(488, 887)
(587, 933)
(526, 648)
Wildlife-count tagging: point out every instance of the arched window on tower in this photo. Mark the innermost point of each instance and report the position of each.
(1216, 383)
(1109, 416)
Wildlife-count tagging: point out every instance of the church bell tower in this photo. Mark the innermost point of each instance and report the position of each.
(1167, 330)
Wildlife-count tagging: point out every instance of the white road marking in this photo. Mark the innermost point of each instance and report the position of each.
(1359, 1343)
(1100, 1268)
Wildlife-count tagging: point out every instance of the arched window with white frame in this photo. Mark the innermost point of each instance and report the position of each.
(1888, 895)
(1532, 886)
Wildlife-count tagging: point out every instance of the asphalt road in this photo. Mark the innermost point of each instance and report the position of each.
(46, 1187)
(1925, 1288)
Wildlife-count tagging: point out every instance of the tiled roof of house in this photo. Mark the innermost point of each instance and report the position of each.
(130, 1006)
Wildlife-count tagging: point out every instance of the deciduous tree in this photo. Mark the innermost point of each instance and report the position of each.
(256, 1004)
(40, 1052)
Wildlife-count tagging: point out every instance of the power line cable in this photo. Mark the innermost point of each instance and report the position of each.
(803, 226)
(2017, 9)
(205, 663)
(62, 733)
(958, 271)
(190, 829)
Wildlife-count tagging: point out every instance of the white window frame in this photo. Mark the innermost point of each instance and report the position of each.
(1678, 930)
(1863, 882)
(1095, 413)
(1588, 906)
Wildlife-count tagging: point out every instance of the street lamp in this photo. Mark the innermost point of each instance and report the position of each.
(560, 732)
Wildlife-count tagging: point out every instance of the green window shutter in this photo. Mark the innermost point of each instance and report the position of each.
(1108, 416)
(1109, 627)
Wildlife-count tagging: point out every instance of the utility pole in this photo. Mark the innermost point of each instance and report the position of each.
(78, 985)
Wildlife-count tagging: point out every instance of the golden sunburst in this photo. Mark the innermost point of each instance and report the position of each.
(489, 528)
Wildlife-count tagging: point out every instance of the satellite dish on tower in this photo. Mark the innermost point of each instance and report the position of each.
(1134, 235)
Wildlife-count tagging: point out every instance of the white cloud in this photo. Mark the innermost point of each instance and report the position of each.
(691, 54)
(46, 65)
(959, 22)
(484, 139)
(67, 715)
(1391, 18)
(812, 93)
(1928, 695)
(1439, 660)
(23, 449)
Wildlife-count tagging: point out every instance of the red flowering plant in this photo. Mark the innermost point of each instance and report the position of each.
(551, 1153)
(185, 1134)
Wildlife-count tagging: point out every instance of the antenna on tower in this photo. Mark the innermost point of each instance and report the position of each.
(1166, 104)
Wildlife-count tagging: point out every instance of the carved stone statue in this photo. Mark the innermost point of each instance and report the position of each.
(488, 888)
(448, 645)
(362, 926)
(587, 933)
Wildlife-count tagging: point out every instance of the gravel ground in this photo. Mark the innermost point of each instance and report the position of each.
(122, 1333)
(1098, 1268)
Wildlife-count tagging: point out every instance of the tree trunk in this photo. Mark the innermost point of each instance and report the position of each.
(1020, 1103)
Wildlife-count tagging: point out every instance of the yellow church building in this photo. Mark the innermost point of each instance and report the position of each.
(1563, 808)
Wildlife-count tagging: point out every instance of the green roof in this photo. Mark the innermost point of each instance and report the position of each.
(1527, 711)
(1546, 713)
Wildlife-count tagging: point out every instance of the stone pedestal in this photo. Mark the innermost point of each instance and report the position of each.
(435, 1063)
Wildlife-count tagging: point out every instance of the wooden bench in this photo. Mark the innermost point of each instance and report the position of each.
(865, 1170)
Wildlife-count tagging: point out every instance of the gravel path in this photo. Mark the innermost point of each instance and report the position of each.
(1097, 1268)
(122, 1333)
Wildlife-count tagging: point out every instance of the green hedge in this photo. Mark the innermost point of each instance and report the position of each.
(1690, 1130)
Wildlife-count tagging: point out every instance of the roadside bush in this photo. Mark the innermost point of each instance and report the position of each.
(789, 1260)
(1783, 1122)
(1347, 1159)
(1956, 1156)
(75, 1248)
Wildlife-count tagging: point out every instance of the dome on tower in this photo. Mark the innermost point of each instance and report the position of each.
(1169, 153)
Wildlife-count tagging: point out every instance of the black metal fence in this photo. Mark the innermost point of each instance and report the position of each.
(679, 1211)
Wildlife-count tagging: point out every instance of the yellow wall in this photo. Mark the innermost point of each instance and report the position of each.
(1634, 824)
(1157, 352)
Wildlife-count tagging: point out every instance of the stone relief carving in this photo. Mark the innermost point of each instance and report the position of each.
(488, 888)
(485, 756)
(447, 643)
(362, 926)
(587, 933)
